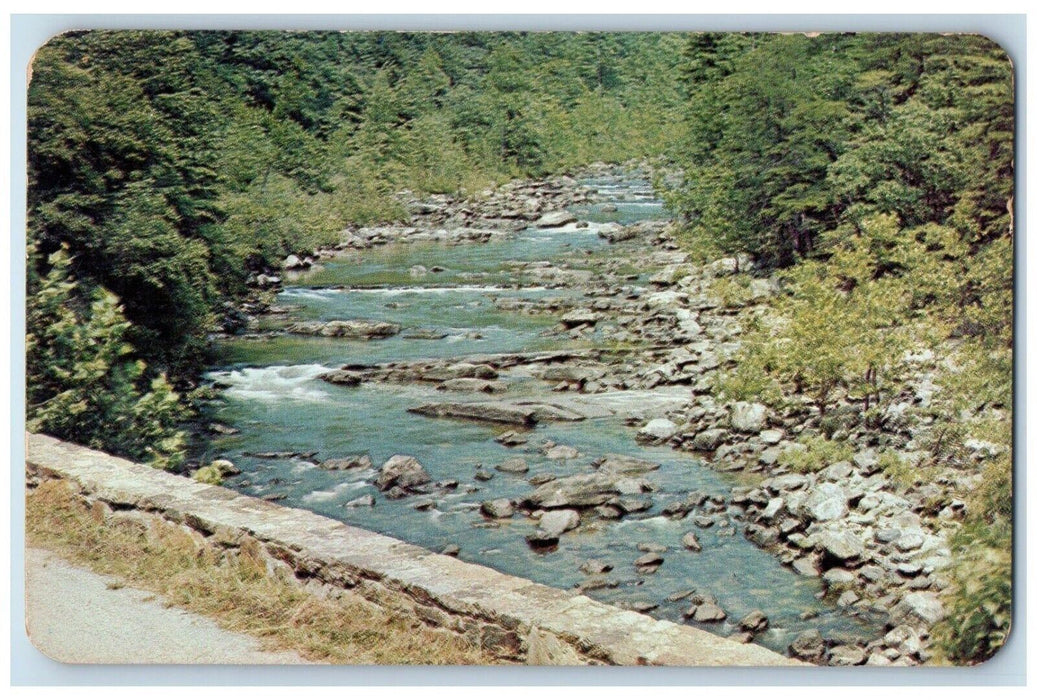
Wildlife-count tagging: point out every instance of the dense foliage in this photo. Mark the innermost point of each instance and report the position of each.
(878, 170)
(169, 166)
(172, 164)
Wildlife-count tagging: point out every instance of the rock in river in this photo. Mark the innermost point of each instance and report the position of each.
(556, 522)
(584, 490)
(555, 219)
(350, 462)
(498, 508)
(401, 471)
(353, 328)
(623, 464)
(657, 430)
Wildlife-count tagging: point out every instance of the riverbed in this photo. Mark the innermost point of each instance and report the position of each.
(453, 301)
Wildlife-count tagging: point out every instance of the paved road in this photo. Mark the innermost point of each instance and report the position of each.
(73, 617)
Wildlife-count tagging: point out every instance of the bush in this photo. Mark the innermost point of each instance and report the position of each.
(83, 382)
(980, 615)
(814, 454)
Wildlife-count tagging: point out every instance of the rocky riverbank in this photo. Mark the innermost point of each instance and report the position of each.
(653, 321)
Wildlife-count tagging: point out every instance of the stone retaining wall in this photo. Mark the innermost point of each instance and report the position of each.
(511, 617)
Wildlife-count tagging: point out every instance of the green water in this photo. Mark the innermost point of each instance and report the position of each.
(274, 398)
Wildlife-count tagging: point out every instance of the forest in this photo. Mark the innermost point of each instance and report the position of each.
(872, 173)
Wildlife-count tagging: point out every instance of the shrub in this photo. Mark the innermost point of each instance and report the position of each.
(814, 453)
(83, 382)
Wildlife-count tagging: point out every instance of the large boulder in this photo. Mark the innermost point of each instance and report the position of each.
(624, 464)
(584, 490)
(657, 430)
(840, 545)
(401, 471)
(826, 501)
(748, 417)
(556, 522)
(555, 219)
(497, 508)
(357, 328)
(919, 607)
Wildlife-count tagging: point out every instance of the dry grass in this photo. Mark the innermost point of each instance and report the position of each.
(236, 591)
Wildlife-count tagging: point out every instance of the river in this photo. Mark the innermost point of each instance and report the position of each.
(271, 393)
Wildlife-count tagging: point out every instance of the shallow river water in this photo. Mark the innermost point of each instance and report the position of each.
(273, 397)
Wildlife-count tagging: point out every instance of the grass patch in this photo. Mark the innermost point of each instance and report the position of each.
(236, 591)
(816, 453)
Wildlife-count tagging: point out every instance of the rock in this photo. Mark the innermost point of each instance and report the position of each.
(808, 646)
(225, 467)
(424, 334)
(841, 545)
(691, 542)
(652, 547)
(555, 219)
(709, 440)
(492, 412)
(401, 471)
(515, 465)
(459, 370)
(497, 508)
(826, 501)
(418, 271)
(806, 566)
(482, 475)
(638, 606)
(580, 317)
(584, 490)
(910, 541)
(595, 566)
(622, 464)
(755, 621)
(650, 559)
(557, 522)
(342, 377)
(628, 504)
(771, 437)
(666, 301)
(748, 417)
(838, 579)
(846, 655)
(365, 501)
(451, 550)
(293, 262)
(867, 461)
(472, 385)
(541, 540)
(847, 598)
(357, 328)
(562, 452)
(657, 431)
(918, 608)
(514, 412)
(708, 612)
(511, 439)
(773, 509)
(350, 462)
